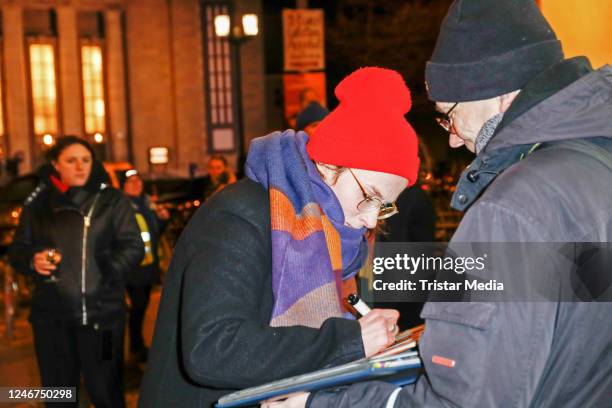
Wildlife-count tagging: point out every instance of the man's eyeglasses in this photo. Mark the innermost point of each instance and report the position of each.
(371, 203)
(445, 121)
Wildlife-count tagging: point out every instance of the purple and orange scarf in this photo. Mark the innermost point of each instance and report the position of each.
(312, 250)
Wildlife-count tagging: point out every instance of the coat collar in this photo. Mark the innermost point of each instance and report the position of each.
(501, 152)
(483, 170)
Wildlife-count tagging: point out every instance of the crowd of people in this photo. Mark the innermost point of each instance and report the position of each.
(255, 291)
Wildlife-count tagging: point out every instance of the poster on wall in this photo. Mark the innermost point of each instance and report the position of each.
(300, 90)
(304, 39)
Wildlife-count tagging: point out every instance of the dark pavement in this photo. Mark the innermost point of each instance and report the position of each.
(18, 362)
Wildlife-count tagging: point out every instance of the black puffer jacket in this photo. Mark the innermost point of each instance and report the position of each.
(91, 285)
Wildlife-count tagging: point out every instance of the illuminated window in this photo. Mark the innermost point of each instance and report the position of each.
(218, 69)
(3, 151)
(93, 89)
(1, 112)
(44, 94)
(219, 83)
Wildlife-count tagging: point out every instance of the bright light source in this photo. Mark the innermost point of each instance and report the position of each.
(96, 57)
(158, 155)
(131, 173)
(249, 24)
(99, 108)
(98, 137)
(222, 25)
(48, 139)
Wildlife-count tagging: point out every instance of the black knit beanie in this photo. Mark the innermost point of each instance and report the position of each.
(488, 48)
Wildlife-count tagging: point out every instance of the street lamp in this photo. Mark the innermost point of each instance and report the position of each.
(249, 28)
(48, 139)
(237, 35)
(250, 25)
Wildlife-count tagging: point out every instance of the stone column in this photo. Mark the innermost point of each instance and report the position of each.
(69, 71)
(116, 86)
(17, 121)
(150, 79)
(188, 89)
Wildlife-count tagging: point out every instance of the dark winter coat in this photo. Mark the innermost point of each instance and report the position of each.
(525, 354)
(212, 334)
(416, 220)
(92, 282)
(147, 275)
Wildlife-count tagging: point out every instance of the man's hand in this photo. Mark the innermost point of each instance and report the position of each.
(378, 330)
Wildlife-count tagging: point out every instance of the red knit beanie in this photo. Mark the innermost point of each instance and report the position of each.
(368, 130)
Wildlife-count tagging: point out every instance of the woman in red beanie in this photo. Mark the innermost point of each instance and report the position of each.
(254, 292)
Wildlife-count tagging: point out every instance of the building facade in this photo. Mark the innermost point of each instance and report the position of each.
(128, 75)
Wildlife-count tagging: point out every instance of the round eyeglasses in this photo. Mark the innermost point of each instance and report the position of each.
(371, 203)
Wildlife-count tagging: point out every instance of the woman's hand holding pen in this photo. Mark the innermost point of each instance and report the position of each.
(378, 330)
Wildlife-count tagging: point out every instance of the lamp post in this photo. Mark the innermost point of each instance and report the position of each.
(237, 35)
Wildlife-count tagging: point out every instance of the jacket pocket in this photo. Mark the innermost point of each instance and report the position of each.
(455, 348)
(474, 315)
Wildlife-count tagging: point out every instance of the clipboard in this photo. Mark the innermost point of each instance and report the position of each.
(399, 369)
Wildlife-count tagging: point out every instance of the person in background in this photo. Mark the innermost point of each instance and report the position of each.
(254, 290)
(416, 222)
(151, 221)
(78, 238)
(13, 163)
(310, 116)
(308, 95)
(219, 175)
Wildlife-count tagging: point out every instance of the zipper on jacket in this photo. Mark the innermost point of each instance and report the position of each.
(86, 224)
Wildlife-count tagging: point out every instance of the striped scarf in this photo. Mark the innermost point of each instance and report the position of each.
(312, 250)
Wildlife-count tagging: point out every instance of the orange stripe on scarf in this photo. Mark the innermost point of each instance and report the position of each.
(284, 218)
(309, 221)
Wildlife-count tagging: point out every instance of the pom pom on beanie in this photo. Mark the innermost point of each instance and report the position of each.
(368, 129)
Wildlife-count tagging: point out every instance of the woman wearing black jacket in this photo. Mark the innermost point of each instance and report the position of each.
(78, 238)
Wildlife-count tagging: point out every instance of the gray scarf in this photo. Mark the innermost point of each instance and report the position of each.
(487, 131)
